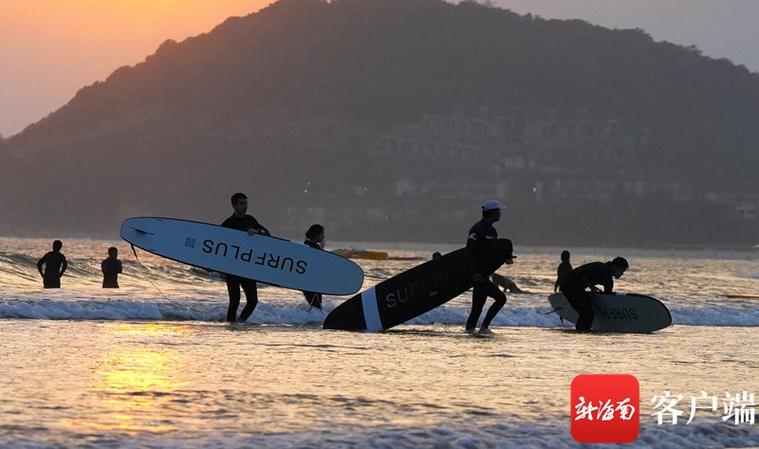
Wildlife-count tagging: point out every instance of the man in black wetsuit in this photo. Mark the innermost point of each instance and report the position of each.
(111, 267)
(314, 239)
(564, 268)
(479, 234)
(243, 222)
(588, 276)
(55, 265)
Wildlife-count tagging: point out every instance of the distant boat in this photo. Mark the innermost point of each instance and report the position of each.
(354, 253)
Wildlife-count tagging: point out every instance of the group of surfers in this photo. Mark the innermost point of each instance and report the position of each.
(576, 284)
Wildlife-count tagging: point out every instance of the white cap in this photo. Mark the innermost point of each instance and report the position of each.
(492, 205)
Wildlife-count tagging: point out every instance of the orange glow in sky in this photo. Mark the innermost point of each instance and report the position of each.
(51, 48)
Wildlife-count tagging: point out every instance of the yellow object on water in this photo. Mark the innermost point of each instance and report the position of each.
(362, 254)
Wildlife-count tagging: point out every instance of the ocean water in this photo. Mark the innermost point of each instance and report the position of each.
(152, 366)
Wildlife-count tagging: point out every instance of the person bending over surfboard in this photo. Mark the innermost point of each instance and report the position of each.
(479, 234)
(242, 222)
(55, 265)
(314, 239)
(574, 286)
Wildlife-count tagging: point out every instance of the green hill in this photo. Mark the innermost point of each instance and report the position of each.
(291, 104)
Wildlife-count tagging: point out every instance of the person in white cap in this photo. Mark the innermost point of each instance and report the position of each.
(481, 232)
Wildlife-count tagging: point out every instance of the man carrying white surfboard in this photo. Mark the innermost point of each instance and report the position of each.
(574, 286)
(242, 222)
(479, 234)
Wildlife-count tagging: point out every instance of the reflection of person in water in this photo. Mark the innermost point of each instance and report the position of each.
(111, 268)
(563, 270)
(55, 265)
(314, 239)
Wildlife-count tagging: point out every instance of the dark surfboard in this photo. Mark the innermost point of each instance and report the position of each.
(416, 291)
(619, 312)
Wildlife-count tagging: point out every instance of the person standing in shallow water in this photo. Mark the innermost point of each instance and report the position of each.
(574, 286)
(55, 265)
(565, 267)
(479, 234)
(314, 239)
(111, 267)
(241, 221)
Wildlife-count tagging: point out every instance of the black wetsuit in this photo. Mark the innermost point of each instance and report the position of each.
(561, 272)
(111, 269)
(235, 282)
(312, 298)
(244, 223)
(574, 287)
(55, 264)
(479, 234)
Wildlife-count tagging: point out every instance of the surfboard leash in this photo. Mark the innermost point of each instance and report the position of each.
(556, 311)
(147, 270)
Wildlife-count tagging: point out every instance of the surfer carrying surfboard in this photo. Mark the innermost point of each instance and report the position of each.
(479, 234)
(574, 286)
(242, 222)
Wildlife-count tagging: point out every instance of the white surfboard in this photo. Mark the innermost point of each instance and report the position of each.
(262, 258)
(619, 312)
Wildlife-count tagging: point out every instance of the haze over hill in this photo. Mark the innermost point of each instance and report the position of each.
(393, 119)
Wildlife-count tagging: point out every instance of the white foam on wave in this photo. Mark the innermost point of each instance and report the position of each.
(507, 434)
(154, 310)
(524, 313)
(541, 316)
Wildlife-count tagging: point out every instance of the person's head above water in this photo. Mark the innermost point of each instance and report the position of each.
(57, 245)
(619, 266)
(239, 203)
(491, 211)
(436, 254)
(315, 233)
(565, 256)
(113, 252)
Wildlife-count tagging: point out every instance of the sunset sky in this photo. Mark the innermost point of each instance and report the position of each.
(51, 48)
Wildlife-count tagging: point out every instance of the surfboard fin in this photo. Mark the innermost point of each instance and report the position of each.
(142, 231)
